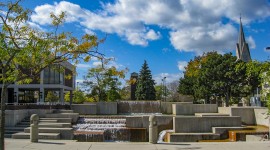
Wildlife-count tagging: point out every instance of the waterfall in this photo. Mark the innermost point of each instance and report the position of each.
(162, 134)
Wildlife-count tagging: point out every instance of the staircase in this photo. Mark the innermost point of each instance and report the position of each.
(58, 127)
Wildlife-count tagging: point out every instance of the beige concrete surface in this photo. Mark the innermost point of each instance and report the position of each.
(19, 144)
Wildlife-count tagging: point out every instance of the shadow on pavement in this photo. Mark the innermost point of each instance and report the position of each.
(51, 143)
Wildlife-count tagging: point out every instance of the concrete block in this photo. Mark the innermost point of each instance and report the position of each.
(192, 124)
(191, 109)
(166, 107)
(85, 109)
(193, 137)
(65, 133)
(246, 113)
(252, 138)
(261, 116)
(163, 122)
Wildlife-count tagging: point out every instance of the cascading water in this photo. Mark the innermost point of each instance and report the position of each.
(162, 135)
(101, 129)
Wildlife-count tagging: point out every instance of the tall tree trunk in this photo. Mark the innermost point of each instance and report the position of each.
(3, 108)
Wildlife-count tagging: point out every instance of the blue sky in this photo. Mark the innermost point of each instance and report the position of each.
(166, 33)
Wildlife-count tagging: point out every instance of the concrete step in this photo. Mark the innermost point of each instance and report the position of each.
(65, 133)
(51, 136)
(193, 137)
(7, 135)
(22, 125)
(210, 114)
(60, 120)
(11, 131)
(74, 116)
(48, 121)
(63, 111)
(15, 128)
(55, 125)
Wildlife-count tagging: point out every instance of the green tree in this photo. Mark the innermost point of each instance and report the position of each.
(78, 97)
(26, 51)
(51, 97)
(145, 86)
(102, 82)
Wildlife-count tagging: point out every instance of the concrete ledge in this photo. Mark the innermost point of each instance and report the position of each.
(249, 115)
(59, 120)
(55, 125)
(195, 124)
(191, 109)
(193, 137)
(210, 114)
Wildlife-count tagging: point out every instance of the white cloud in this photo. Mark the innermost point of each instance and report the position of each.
(181, 65)
(169, 77)
(251, 42)
(83, 66)
(90, 32)
(152, 35)
(97, 63)
(202, 39)
(194, 25)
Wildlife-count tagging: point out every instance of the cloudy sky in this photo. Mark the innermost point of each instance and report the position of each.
(166, 33)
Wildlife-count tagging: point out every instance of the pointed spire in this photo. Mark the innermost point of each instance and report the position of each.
(242, 49)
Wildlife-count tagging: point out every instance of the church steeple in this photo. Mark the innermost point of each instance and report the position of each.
(242, 49)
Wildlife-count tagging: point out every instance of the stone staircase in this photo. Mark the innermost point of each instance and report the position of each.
(57, 125)
(197, 122)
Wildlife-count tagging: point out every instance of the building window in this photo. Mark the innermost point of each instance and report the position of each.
(51, 76)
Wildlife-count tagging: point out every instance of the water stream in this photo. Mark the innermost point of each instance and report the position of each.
(101, 129)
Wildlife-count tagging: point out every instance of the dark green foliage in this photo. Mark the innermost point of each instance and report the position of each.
(220, 76)
(145, 85)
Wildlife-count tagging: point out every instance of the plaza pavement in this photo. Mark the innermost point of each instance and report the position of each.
(23, 144)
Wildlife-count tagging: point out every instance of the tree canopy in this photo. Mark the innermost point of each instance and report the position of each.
(103, 82)
(25, 51)
(213, 75)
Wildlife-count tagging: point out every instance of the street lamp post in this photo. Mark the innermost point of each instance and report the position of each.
(164, 88)
(268, 48)
(77, 86)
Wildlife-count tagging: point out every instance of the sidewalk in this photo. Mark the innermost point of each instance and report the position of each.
(19, 144)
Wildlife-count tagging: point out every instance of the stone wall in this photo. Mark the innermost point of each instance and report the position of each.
(128, 107)
(191, 109)
(192, 124)
(249, 115)
(166, 107)
(106, 108)
(246, 113)
(163, 122)
(15, 116)
(85, 109)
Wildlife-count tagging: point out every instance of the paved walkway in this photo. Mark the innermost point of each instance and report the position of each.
(18, 144)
